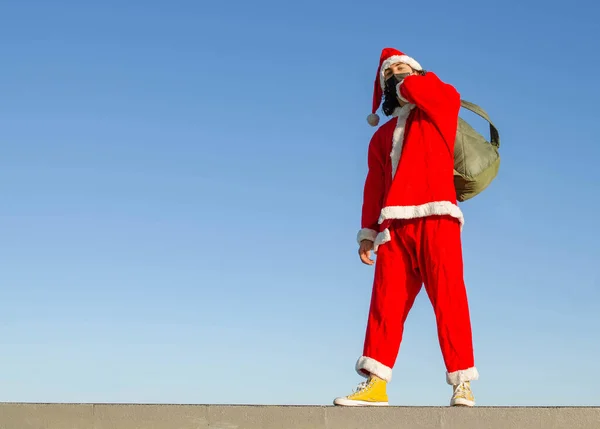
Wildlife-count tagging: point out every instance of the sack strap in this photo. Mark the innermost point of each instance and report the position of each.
(495, 136)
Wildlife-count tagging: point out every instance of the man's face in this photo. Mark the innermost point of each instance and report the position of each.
(390, 98)
(397, 68)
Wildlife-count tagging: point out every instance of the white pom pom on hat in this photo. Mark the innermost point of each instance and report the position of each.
(388, 57)
(373, 119)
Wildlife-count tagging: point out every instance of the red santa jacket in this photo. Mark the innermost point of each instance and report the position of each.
(411, 159)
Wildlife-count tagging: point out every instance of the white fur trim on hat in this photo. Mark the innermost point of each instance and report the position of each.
(397, 59)
(373, 119)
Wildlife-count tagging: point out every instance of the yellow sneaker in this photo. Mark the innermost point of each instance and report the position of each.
(463, 396)
(370, 393)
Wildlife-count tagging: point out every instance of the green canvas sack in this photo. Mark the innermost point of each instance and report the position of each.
(476, 161)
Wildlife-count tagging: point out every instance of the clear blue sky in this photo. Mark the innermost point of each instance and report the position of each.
(181, 186)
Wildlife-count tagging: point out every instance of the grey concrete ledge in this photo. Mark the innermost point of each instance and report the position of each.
(140, 416)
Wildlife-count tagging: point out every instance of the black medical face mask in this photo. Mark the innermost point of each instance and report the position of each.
(401, 76)
(394, 80)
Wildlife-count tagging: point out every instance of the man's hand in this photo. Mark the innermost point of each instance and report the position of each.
(364, 251)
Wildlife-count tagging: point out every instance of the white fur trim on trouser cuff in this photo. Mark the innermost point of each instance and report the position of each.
(423, 210)
(366, 234)
(397, 59)
(457, 377)
(373, 367)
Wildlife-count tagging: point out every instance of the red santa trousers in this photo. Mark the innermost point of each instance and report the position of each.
(421, 251)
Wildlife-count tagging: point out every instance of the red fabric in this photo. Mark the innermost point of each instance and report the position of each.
(377, 95)
(425, 250)
(425, 172)
(426, 168)
(379, 175)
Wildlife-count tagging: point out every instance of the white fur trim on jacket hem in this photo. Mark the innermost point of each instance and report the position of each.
(457, 377)
(397, 59)
(435, 208)
(373, 367)
(366, 234)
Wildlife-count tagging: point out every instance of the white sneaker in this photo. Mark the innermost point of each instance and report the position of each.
(463, 396)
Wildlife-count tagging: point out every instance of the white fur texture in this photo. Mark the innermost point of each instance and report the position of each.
(427, 209)
(366, 234)
(383, 237)
(373, 367)
(399, 94)
(397, 59)
(373, 119)
(398, 138)
(457, 377)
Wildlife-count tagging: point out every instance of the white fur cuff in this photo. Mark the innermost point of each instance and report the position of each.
(383, 237)
(373, 367)
(457, 377)
(366, 234)
(399, 94)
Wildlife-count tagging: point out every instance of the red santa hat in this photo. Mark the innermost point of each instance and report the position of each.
(389, 56)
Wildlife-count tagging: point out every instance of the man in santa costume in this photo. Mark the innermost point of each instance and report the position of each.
(411, 219)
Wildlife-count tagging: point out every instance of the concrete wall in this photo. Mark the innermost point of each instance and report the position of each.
(109, 416)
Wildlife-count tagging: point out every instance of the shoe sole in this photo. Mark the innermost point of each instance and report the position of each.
(350, 403)
(462, 403)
